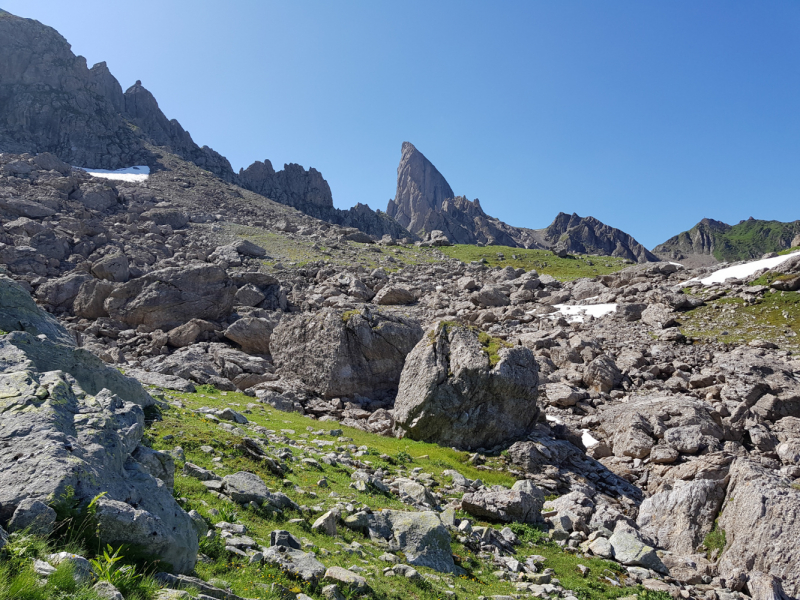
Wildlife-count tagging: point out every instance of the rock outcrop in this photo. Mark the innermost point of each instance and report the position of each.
(63, 427)
(345, 353)
(457, 391)
(425, 202)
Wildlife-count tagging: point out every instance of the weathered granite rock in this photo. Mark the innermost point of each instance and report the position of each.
(341, 354)
(421, 536)
(300, 564)
(169, 297)
(252, 333)
(451, 393)
(521, 504)
(761, 520)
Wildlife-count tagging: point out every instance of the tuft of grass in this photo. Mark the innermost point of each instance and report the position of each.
(347, 315)
(491, 346)
(715, 539)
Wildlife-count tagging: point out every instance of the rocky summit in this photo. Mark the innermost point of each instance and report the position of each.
(214, 385)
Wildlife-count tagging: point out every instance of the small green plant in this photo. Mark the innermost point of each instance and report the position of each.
(106, 568)
(528, 534)
(491, 346)
(228, 515)
(715, 539)
(205, 388)
(653, 595)
(347, 315)
(404, 457)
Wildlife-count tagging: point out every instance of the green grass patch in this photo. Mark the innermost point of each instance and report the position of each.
(543, 261)
(774, 318)
(715, 540)
(491, 346)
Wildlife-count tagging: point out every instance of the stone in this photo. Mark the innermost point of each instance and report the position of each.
(679, 519)
(114, 268)
(189, 333)
(421, 536)
(167, 298)
(82, 570)
(339, 353)
(450, 393)
(279, 537)
(249, 295)
(252, 334)
(602, 548)
(659, 316)
(326, 524)
(170, 537)
(61, 291)
(18, 312)
(245, 487)
(393, 295)
(629, 549)
(89, 302)
(563, 395)
(602, 374)
(345, 578)
(34, 516)
(159, 464)
(520, 505)
(192, 470)
(761, 521)
(107, 591)
(298, 563)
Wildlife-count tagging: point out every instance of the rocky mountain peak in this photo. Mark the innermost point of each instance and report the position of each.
(421, 189)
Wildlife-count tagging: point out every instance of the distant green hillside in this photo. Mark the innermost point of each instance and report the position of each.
(749, 239)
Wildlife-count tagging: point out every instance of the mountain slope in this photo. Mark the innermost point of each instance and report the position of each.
(50, 101)
(716, 241)
(587, 235)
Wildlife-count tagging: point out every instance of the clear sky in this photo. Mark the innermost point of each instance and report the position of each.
(647, 115)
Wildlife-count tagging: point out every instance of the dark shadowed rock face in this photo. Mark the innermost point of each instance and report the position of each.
(308, 192)
(50, 101)
(451, 394)
(342, 354)
(587, 235)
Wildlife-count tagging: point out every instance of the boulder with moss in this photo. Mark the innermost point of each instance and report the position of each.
(463, 388)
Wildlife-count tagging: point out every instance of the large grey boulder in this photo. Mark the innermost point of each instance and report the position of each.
(300, 564)
(114, 267)
(679, 519)
(521, 504)
(34, 516)
(18, 312)
(165, 530)
(244, 487)
(421, 536)
(169, 297)
(253, 334)
(55, 435)
(452, 394)
(61, 291)
(340, 353)
(761, 520)
(629, 549)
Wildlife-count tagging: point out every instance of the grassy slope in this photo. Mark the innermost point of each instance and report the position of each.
(543, 261)
(751, 239)
(734, 320)
(192, 431)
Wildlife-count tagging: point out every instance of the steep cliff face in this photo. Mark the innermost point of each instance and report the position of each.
(142, 110)
(425, 202)
(421, 190)
(50, 101)
(308, 192)
(587, 235)
(714, 240)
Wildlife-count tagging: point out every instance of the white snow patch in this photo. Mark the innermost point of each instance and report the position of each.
(587, 439)
(577, 312)
(130, 174)
(553, 419)
(745, 270)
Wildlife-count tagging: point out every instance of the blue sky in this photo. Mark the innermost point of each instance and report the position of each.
(646, 115)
